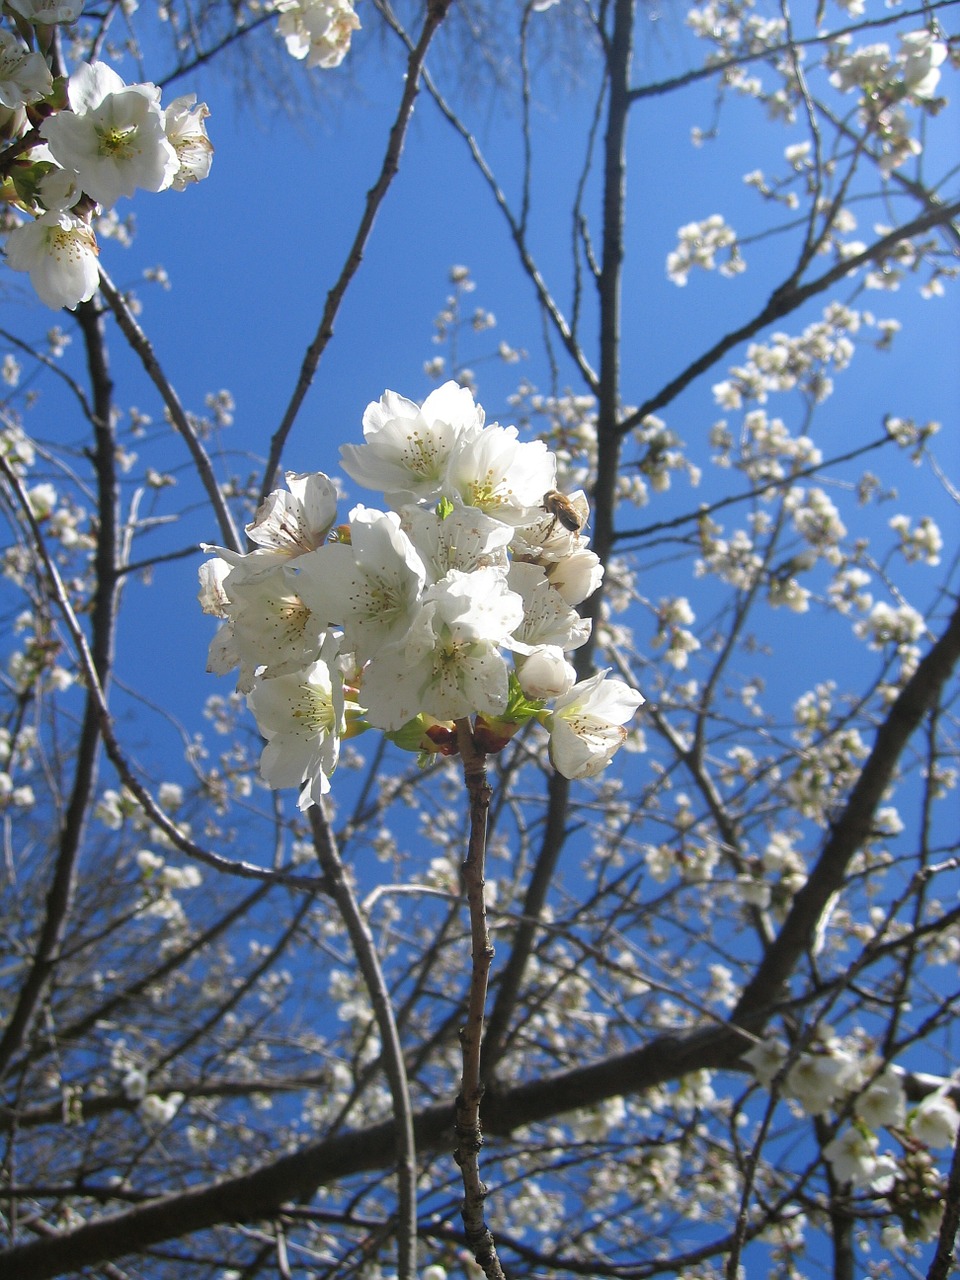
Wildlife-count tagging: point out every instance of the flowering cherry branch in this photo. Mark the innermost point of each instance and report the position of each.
(451, 616)
(788, 298)
(402, 620)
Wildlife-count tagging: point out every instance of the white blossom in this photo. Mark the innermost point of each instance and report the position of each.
(923, 543)
(60, 253)
(58, 190)
(318, 31)
(212, 596)
(545, 673)
(921, 55)
(297, 519)
(888, 624)
(449, 664)
(180, 877)
(884, 1102)
(113, 137)
(867, 65)
(301, 715)
(370, 586)
(272, 628)
(698, 245)
(494, 471)
(185, 131)
(935, 1121)
(766, 1058)
(817, 1080)
(576, 576)
(148, 862)
(407, 446)
(48, 12)
(134, 1084)
(852, 1157)
(587, 725)
(24, 75)
(465, 539)
(156, 1111)
(547, 618)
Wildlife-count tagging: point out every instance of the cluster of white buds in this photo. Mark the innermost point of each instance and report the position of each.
(458, 601)
(74, 144)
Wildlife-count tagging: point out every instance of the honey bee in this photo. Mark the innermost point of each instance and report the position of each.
(563, 511)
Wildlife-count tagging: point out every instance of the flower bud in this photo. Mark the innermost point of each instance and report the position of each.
(546, 673)
(576, 576)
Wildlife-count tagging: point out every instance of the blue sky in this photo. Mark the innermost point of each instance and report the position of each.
(252, 251)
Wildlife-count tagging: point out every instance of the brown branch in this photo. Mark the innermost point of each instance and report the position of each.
(508, 986)
(102, 627)
(945, 1259)
(853, 826)
(469, 1134)
(91, 1107)
(609, 291)
(436, 12)
(783, 302)
(142, 346)
(364, 948)
(608, 457)
(86, 663)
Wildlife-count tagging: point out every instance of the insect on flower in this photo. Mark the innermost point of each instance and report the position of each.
(563, 511)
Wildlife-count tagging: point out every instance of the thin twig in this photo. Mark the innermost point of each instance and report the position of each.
(783, 302)
(140, 343)
(709, 509)
(716, 68)
(365, 950)
(436, 12)
(469, 1135)
(111, 745)
(548, 303)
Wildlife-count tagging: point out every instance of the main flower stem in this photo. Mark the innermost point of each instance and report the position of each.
(469, 1136)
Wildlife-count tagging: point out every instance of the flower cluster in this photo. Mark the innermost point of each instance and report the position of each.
(458, 601)
(830, 1077)
(317, 31)
(699, 243)
(79, 144)
(923, 543)
(785, 363)
(673, 617)
(913, 72)
(887, 83)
